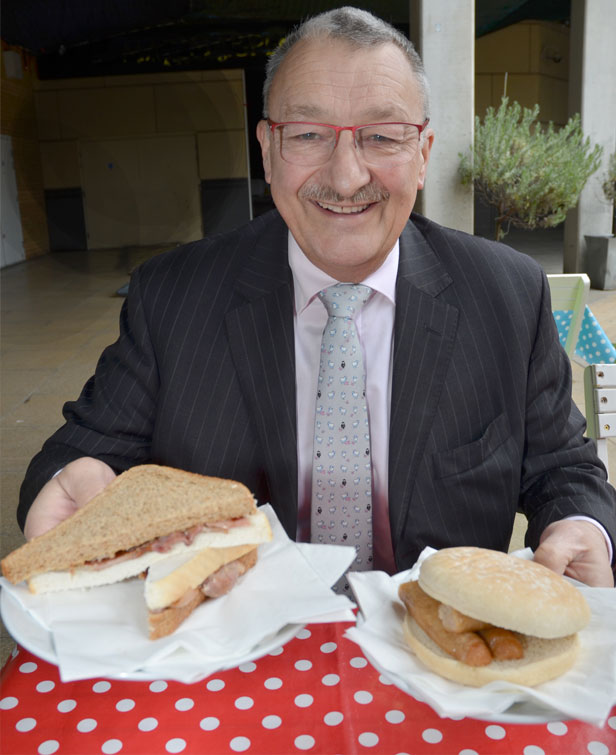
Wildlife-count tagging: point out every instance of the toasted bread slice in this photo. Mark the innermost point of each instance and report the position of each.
(169, 580)
(143, 503)
(163, 622)
(208, 546)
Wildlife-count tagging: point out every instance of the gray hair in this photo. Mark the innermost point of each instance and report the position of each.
(356, 27)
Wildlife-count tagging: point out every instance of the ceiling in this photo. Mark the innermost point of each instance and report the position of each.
(72, 38)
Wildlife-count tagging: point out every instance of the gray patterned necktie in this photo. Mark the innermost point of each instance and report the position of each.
(342, 470)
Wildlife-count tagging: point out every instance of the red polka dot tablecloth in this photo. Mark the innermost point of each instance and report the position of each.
(316, 694)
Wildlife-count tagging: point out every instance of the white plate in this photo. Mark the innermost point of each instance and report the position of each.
(38, 640)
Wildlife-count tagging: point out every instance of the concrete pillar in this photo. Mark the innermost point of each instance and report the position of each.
(443, 33)
(592, 93)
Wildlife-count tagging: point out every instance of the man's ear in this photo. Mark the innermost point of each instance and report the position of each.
(263, 135)
(426, 147)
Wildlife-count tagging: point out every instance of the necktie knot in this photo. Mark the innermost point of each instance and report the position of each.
(345, 299)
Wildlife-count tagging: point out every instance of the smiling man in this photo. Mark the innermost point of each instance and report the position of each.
(346, 208)
(383, 381)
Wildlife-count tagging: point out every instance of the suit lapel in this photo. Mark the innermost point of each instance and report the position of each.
(424, 333)
(260, 331)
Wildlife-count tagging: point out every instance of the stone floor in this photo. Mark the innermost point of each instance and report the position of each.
(60, 310)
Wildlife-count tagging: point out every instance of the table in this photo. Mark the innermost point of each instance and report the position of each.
(316, 694)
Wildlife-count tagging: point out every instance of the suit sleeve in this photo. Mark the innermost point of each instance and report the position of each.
(562, 475)
(113, 417)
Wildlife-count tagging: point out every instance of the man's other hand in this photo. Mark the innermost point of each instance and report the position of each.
(577, 549)
(79, 481)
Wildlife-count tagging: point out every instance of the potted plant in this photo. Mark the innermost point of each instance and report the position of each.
(601, 250)
(530, 173)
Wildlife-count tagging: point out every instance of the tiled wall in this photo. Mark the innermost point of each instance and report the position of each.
(139, 148)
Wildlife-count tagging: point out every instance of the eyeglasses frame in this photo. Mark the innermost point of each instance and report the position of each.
(353, 129)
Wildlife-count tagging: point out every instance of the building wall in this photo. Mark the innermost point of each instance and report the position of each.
(535, 57)
(18, 120)
(140, 148)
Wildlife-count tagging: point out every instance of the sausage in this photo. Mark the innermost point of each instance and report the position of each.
(188, 597)
(455, 621)
(466, 647)
(223, 579)
(503, 644)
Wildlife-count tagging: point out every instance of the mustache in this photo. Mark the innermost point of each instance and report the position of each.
(366, 195)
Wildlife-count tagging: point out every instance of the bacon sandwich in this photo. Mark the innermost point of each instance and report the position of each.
(477, 615)
(191, 536)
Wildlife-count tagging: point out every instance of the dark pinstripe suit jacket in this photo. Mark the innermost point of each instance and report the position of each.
(202, 377)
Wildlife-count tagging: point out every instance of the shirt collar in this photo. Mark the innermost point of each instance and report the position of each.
(308, 279)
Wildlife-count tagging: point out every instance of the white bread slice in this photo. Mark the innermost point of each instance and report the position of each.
(544, 659)
(167, 620)
(167, 581)
(258, 531)
(141, 504)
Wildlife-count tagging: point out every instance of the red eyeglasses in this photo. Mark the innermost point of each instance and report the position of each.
(312, 144)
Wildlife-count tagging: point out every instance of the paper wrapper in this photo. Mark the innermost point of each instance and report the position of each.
(586, 692)
(103, 631)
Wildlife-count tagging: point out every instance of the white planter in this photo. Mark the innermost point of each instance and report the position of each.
(601, 261)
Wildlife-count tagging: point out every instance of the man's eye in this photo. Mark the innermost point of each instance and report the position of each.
(379, 139)
(308, 136)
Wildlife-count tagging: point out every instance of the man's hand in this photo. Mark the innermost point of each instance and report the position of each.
(79, 481)
(577, 549)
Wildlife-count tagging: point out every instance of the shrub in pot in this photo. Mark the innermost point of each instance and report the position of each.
(531, 174)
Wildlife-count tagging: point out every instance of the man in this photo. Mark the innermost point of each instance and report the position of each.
(468, 391)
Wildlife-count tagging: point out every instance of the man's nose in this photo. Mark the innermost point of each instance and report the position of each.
(346, 168)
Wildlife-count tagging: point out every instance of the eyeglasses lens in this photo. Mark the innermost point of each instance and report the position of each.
(380, 144)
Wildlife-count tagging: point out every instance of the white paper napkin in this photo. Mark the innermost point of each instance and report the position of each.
(586, 692)
(103, 631)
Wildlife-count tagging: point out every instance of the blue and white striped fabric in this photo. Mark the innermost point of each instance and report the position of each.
(593, 345)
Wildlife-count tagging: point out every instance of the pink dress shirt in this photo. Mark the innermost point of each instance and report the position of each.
(375, 325)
